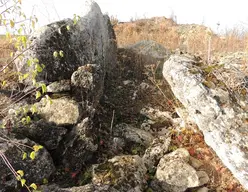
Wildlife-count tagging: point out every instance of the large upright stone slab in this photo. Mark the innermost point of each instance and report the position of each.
(218, 111)
(64, 46)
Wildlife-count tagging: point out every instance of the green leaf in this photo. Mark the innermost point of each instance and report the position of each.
(55, 54)
(24, 40)
(34, 82)
(43, 88)
(23, 120)
(20, 172)
(33, 24)
(23, 181)
(29, 62)
(12, 23)
(11, 54)
(33, 109)
(25, 109)
(38, 68)
(37, 147)
(24, 156)
(4, 83)
(25, 75)
(49, 99)
(43, 66)
(45, 181)
(8, 36)
(28, 119)
(68, 28)
(38, 95)
(19, 31)
(61, 53)
(36, 60)
(33, 186)
(18, 178)
(74, 19)
(32, 155)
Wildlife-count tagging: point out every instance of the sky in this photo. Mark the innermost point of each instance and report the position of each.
(226, 13)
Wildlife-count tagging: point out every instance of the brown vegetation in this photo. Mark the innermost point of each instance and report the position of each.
(193, 38)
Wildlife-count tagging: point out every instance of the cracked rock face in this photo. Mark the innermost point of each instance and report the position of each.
(61, 111)
(35, 170)
(215, 111)
(90, 40)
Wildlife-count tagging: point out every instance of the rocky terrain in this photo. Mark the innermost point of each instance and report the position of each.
(137, 117)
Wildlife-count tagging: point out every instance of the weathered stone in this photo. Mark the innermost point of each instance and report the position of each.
(173, 169)
(161, 118)
(122, 173)
(35, 170)
(87, 82)
(132, 134)
(78, 146)
(195, 162)
(151, 50)
(158, 149)
(203, 177)
(61, 111)
(223, 124)
(85, 188)
(90, 40)
(46, 134)
(59, 86)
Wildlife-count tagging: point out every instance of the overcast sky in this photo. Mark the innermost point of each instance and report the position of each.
(227, 13)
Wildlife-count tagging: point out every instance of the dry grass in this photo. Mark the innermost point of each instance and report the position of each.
(190, 38)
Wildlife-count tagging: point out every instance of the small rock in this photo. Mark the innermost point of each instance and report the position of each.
(61, 111)
(195, 162)
(126, 82)
(125, 173)
(203, 177)
(173, 169)
(177, 173)
(144, 86)
(156, 115)
(157, 150)
(59, 86)
(132, 134)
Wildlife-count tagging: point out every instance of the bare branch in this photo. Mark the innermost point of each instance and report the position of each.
(10, 62)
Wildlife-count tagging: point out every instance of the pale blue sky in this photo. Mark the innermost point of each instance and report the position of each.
(228, 13)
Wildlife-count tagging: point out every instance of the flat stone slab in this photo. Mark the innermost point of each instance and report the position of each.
(217, 113)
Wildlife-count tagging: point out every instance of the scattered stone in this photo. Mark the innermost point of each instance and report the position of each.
(127, 82)
(156, 151)
(47, 134)
(61, 111)
(173, 169)
(35, 170)
(122, 173)
(78, 146)
(203, 177)
(195, 162)
(59, 86)
(144, 86)
(132, 135)
(150, 50)
(156, 115)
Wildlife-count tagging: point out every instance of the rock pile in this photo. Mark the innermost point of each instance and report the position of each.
(80, 70)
